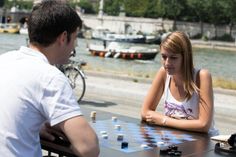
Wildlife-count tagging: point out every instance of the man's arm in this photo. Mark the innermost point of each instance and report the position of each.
(83, 139)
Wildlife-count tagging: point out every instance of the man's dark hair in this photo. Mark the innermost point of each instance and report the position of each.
(49, 19)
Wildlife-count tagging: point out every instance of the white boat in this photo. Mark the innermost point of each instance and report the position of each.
(130, 38)
(114, 50)
(153, 39)
(100, 33)
(23, 30)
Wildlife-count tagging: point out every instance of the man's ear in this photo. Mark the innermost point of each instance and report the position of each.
(62, 38)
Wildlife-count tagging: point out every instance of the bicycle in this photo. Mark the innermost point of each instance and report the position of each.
(74, 72)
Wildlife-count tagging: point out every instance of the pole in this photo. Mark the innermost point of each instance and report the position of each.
(100, 13)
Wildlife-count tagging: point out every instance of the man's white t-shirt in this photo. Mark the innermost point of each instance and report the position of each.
(31, 92)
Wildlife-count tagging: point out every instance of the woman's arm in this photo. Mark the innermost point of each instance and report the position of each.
(203, 123)
(206, 103)
(154, 94)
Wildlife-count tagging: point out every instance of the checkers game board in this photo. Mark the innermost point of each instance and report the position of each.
(138, 136)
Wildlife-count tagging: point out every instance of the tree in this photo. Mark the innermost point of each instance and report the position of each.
(112, 7)
(172, 9)
(20, 4)
(215, 13)
(230, 11)
(198, 6)
(153, 9)
(1, 3)
(86, 6)
(136, 8)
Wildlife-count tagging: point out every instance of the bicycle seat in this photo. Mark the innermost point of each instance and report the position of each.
(83, 63)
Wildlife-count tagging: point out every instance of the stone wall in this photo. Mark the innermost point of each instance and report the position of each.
(148, 25)
(208, 29)
(127, 24)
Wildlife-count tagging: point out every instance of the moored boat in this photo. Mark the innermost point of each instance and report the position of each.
(9, 28)
(23, 31)
(129, 38)
(131, 53)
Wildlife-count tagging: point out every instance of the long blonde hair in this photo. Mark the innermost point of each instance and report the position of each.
(178, 42)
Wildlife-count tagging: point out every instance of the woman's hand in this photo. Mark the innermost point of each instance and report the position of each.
(154, 117)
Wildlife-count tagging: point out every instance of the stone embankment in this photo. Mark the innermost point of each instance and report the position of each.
(229, 46)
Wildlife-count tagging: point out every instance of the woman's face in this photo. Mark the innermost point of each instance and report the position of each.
(172, 62)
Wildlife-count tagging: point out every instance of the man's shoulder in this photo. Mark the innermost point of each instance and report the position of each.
(8, 53)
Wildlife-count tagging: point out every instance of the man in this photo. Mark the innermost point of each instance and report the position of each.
(33, 91)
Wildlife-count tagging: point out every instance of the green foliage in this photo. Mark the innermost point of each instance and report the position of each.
(225, 37)
(199, 9)
(197, 36)
(19, 4)
(229, 10)
(171, 8)
(73, 4)
(216, 12)
(136, 8)
(205, 38)
(112, 7)
(86, 6)
(152, 9)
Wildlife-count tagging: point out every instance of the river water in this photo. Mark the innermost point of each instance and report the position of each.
(220, 63)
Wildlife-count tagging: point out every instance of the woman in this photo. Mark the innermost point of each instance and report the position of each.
(188, 93)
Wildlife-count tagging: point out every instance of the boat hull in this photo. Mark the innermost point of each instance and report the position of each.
(125, 55)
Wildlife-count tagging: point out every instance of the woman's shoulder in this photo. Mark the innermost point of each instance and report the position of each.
(160, 75)
(203, 76)
(204, 73)
(162, 72)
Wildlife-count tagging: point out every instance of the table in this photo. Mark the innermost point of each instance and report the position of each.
(202, 146)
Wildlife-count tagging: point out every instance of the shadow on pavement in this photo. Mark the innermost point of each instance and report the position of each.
(97, 103)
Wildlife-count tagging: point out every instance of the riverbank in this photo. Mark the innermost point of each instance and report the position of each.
(145, 80)
(219, 45)
(136, 77)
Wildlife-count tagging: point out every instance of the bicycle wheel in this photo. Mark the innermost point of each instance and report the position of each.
(77, 81)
